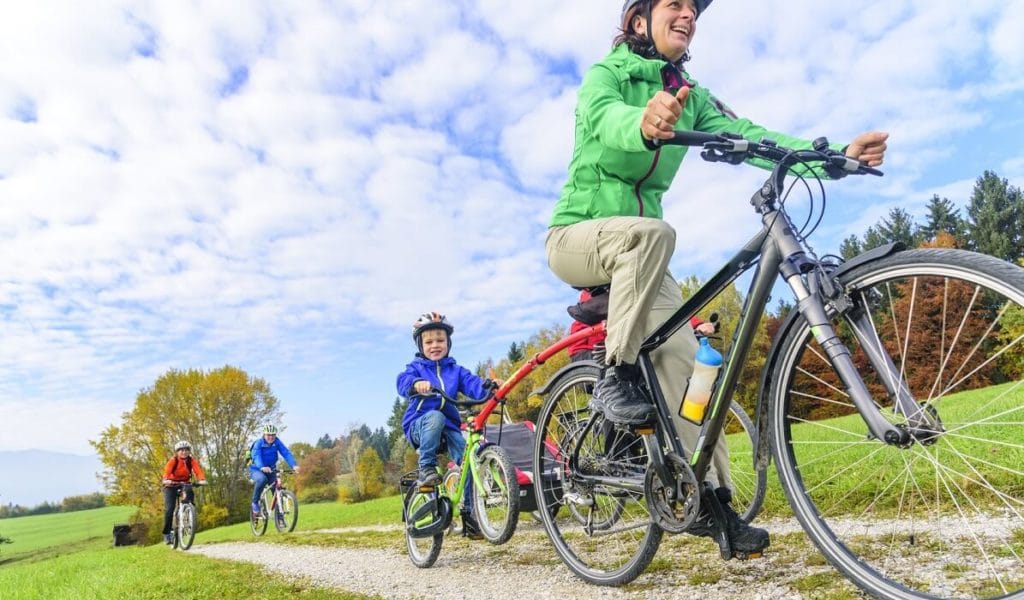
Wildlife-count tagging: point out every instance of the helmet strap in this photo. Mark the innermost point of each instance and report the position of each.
(652, 50)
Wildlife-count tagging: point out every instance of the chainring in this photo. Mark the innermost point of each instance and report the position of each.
(673, 515)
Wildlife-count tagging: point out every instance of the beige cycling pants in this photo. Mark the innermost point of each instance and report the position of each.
(632, 253)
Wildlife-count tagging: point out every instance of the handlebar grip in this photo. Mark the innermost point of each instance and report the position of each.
(685, 137)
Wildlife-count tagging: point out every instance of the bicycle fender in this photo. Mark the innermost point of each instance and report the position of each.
(869, 256)
(567, 369)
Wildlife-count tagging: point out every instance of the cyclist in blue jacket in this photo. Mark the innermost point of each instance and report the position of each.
(264, 458)
(429, 417)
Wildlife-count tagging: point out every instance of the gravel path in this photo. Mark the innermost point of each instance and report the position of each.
(389, 573)
(526, 567)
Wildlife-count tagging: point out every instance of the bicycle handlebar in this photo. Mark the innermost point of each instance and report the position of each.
(466, 404)
(727, 147)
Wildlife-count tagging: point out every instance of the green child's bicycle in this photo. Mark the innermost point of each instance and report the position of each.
(427, 509)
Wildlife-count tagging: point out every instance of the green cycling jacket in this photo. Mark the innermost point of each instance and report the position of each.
(612, 172)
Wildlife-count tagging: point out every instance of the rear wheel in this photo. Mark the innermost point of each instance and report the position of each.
(496, 508)
(258, 521)
(944, 516)
(187, 526)
(287, 512)
(451, 484)
(423, 551)
(748, 484)
(606, 537)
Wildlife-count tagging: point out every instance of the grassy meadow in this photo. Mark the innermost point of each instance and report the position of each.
(70, 555)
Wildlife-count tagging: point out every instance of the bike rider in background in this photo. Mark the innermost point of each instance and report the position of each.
(177, 472)
(607, 226)
(264, 458)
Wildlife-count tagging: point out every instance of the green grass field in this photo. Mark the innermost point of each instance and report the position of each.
(39, 532)
(70, 555)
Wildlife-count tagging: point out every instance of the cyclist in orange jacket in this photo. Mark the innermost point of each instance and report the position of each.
(177, 472)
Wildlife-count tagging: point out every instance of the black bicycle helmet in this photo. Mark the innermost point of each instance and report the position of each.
(428, 321)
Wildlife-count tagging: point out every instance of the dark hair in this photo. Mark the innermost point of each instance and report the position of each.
(637, 40)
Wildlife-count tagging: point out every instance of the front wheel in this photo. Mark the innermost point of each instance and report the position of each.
(606, 536)
(423, 550)
(944, 516)
(287, 512)
(258, 521)
(496, 507)
(186, 526)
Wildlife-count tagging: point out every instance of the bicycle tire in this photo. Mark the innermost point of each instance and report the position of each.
(287, 512)
(749, 484)
(944, 516)
(258, 521)
(497, 508)
(187, 526)
(450, 482)
(175, 527)
(620, 551)
(423, 551)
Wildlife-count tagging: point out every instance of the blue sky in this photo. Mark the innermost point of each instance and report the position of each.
(285, 187)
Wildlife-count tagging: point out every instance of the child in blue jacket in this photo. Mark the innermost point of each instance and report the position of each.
(429, 417)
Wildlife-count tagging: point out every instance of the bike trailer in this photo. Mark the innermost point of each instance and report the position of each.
(517, 440)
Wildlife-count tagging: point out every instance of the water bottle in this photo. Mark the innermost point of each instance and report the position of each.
(698, 392)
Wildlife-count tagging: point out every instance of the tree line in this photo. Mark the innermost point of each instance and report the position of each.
(68, 504)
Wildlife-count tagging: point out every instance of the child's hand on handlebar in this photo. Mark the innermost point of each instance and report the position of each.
(422, 387)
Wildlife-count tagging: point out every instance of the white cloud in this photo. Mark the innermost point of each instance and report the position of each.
(189, 185)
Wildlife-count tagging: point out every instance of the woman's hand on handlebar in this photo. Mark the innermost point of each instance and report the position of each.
(663, 110)
(868, 148)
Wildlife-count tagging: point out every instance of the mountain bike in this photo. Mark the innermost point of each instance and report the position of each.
(891, 401)
(278, 502)
(183, 525)
(427, 510)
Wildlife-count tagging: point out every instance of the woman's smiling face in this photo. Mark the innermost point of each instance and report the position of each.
(673, 23)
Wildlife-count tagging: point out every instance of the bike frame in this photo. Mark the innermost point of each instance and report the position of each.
(775, 251)
(473, 445)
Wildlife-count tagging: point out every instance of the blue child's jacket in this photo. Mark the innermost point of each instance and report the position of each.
(444, 374)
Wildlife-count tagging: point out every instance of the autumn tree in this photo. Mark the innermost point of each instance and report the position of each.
(216, 411)
(369, 474)
(521, 402)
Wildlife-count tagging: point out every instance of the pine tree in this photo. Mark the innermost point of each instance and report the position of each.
(943, 216)
(850, 247)
(995, 216)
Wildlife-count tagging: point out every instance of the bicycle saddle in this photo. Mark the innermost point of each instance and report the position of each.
(594, 310)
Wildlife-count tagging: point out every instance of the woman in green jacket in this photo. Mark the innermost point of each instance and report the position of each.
(607, 226)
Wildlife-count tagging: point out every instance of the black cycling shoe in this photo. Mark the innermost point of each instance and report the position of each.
(745, 541)
(621, 399)
(429, 476)
(470, 528)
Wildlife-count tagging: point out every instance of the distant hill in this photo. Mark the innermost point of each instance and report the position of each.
(33, 476)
